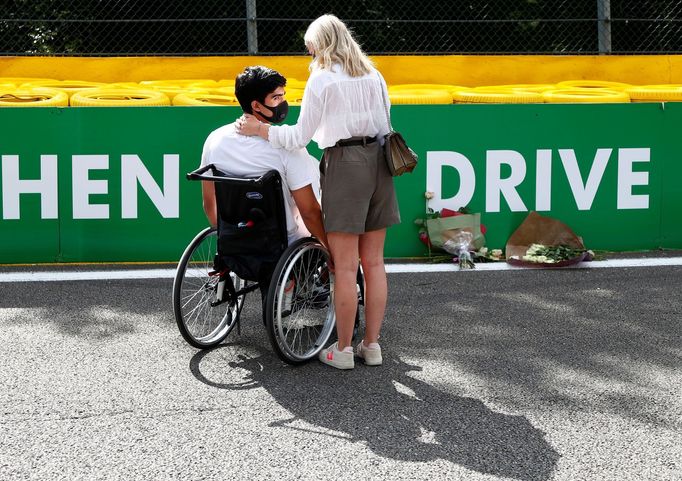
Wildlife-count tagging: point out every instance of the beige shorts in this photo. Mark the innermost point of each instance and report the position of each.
(358, 195)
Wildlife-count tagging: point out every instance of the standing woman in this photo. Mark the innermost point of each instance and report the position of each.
(344, 109)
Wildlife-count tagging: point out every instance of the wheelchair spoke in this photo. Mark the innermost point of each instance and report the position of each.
(201, 324)
(190, 297)
(200, 306)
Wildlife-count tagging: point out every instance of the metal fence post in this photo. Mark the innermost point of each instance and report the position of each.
(251, 27)
(604, 26)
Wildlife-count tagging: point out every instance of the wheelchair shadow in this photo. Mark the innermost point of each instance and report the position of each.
(396, 415)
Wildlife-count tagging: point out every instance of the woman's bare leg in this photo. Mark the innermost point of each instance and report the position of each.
(344, 249)
(371, 248)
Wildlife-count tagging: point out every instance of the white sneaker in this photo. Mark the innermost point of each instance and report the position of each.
(370, 354)
(338, 359)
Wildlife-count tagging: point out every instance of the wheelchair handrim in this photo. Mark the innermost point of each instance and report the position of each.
(329, 321)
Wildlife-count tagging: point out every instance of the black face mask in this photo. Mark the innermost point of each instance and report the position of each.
(279, 113)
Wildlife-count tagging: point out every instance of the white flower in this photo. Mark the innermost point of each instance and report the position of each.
(534, 258)
(534, 249)
(496, 252)
(429, 195)
(483, 251)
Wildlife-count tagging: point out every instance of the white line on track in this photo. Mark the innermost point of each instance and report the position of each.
(41, 276)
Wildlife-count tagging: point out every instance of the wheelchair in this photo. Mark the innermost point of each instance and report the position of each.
(248, 251)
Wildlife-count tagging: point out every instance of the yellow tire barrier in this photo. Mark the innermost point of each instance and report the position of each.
(123, 85)
(655, 93)
(229, 91)
(293, 96)
(205, 84)
(204, 99)
(184, 83)
(68, 86)
(403, 87)
(537, 88)
(592, 84)
(119, 98)
(33, 97)
(296, 84)
(502, 96)
(171, 91)
(174, 87)
(419, 96)
(200, 92)
(585, 95)
(22, 80)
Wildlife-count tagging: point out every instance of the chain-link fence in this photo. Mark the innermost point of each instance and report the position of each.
(273, 27)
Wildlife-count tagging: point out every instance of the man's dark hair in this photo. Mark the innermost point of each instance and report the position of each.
(255, 83)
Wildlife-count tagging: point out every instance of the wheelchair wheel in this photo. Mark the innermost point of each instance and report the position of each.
(299, 307)
(201, 322)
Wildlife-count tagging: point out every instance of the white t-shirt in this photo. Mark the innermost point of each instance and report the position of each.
(241, 156)
(336, 106)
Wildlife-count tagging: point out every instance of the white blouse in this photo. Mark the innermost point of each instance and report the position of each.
(336, 106)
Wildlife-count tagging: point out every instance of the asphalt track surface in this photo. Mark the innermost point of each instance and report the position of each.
(522, 375)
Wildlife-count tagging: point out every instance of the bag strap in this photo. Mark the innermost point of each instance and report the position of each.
(383, 96)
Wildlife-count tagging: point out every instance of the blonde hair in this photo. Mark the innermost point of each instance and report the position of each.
(332, 42)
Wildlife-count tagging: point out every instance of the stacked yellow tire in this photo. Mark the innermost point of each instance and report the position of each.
(421, 93)
(32, 97)
(171, 88)
(205, 99)
(119, 97)
(655, 93)
(496, 95)
(41, 92)
(69, 87)
(584, 95)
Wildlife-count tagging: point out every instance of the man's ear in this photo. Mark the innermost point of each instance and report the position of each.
(256, 106)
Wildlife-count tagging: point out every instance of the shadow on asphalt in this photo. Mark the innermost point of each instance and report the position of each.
(396, 415)
(587, 340)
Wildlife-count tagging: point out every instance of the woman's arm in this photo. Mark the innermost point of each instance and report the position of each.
(298, 136)
(289, 137)
(386, 101)
(310, 211)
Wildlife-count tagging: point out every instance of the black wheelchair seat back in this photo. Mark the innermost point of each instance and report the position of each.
(252, 231)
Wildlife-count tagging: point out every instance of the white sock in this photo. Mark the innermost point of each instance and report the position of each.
(372, 345)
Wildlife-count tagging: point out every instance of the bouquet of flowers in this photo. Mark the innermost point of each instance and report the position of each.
(459, 233)
(488, 255)
(543, 254)
(460, 245)
(541, 241)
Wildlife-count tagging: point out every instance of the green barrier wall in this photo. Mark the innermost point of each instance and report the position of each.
(112, 186)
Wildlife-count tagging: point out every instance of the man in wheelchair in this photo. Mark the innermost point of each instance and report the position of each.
(262, 204)
(260, 91)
